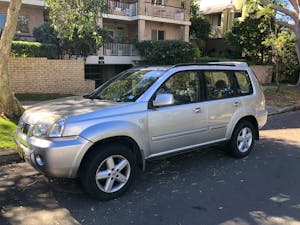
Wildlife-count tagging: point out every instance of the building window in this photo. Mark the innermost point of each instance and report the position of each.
(158, 2)
(237, 14)
(216, 20)
(157, 35)
(23, 24)
(2, 21)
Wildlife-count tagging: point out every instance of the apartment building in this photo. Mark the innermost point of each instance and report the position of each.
(129, 20)
(221, 14)
(31, 16)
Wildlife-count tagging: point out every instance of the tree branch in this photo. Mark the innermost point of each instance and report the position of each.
(283, 10)
(295, 4)
(286, 24)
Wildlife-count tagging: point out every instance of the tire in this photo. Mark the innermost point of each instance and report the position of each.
(116, 167)
(242, 140)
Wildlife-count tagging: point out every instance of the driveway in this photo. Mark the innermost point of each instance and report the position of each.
(203, 187)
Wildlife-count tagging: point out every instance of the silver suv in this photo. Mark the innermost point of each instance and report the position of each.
(143, 113)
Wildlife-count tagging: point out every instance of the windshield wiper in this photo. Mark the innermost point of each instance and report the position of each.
(89, 96)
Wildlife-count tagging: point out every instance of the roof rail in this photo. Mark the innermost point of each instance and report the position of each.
(237, 64)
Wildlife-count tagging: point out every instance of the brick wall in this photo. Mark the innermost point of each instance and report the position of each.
(40, 75)
(263, 73)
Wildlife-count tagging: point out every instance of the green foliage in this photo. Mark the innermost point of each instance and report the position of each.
(77, 19)
(167, 52)
(200, 28)
(7, 130)
(206, 59)
(249, 35)
(283, 44)
(46, 34)
(33, 49)
(194, 8)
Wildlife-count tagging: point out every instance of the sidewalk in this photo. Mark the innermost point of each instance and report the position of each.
(11, 156)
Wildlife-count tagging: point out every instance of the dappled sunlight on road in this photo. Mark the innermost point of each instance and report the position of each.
(27, 216)
(26, 198)
(287, 135)
(261, 217)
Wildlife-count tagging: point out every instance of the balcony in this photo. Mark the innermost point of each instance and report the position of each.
(118, 49)
(147, 9)
(163, 11)
(216, 32)
(122, 8)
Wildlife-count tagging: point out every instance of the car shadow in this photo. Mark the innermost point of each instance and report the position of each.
(201, 187)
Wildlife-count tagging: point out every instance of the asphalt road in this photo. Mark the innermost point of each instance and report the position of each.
(203, 187)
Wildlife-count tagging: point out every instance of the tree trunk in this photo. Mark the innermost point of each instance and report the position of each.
(298, 56)
(9, 105)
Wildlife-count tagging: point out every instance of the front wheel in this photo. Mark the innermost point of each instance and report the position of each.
(109, 171)
(242, 140)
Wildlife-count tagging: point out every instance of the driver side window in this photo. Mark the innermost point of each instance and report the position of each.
(184, 86)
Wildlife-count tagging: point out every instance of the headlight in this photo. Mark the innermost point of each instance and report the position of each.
(44, 129)
(57, 129)
(41, 129)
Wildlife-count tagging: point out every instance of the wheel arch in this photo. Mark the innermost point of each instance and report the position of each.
(252, 120)
(126, 140)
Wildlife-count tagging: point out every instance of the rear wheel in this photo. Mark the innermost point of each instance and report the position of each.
(242, 139)
(109, 171)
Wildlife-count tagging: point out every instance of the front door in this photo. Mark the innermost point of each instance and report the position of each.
(183, 124)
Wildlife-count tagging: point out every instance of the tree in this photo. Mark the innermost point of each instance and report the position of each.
(78, 20)
(293, 13)
(200, 27)
(9, 105)
(249, 35)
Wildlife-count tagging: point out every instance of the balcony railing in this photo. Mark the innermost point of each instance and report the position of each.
(122, 8)
(163, 11)
(118, 49)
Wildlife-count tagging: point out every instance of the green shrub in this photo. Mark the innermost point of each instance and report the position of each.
(33, 49)
(167, 52)
(206, 59)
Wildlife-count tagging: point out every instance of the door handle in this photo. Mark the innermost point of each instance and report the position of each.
(236, 104)
(197, 110)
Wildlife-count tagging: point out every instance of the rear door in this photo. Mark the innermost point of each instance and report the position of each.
(222, 101)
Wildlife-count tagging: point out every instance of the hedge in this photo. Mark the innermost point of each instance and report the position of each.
(33, 49)
(167, 52)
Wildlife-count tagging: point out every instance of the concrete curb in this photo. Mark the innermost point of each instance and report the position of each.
(284, 110)
(11, 156)
(8, 157)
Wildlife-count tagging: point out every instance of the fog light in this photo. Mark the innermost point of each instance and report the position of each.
(39, 160)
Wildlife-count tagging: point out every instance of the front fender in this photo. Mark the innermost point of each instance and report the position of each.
(105, 130)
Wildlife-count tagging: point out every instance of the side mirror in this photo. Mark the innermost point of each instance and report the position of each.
(163, 100)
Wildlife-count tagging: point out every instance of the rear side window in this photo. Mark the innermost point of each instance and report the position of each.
(219, 84)
(244, 86)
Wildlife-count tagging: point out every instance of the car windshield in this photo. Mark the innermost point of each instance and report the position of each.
(128, 86)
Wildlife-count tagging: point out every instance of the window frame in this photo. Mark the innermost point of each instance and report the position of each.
(238, 86)
(231, 77)
(157, 34)
(200, 94)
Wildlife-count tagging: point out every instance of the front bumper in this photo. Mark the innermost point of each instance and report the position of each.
(56, 157)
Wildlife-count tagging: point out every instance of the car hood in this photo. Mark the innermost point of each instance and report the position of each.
(54, 110)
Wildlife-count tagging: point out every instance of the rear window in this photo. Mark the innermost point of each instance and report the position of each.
(244, 86)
